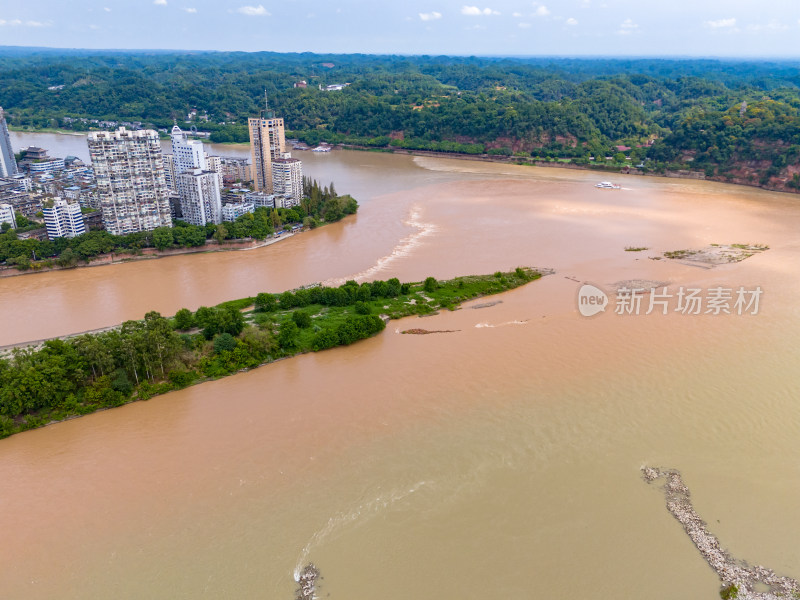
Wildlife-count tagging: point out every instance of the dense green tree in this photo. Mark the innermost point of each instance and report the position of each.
(224, 342)
(162, 238)
(68, 258)
(287, 335)
(302, 319)
(184, 319)
(266, 302)
(220, 320)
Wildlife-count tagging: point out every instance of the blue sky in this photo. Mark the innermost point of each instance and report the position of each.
(488, 27)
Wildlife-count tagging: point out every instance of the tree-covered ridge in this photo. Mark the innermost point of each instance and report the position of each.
(764, 135)
(141, 359)
(546, 108)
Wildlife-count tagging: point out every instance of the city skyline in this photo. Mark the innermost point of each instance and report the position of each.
(735, 28)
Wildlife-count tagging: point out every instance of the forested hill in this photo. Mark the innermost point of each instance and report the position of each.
(672, 114)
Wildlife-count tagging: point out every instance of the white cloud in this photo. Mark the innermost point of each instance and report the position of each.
(18, 22)
(627, 27)
(542, 11)
(191, 11)
(524, 25)
(431, 16)
(519, 14)
(107, 9)
(160, 2)
(771, 26)
(721, 23)
(253, 11)
(572, 21)
(474, 11)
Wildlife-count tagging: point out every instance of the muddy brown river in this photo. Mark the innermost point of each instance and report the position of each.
(501, 460)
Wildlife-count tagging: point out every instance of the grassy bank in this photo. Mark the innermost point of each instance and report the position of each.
(63, 379)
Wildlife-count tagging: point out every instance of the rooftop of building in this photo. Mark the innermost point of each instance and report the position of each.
(122, 133)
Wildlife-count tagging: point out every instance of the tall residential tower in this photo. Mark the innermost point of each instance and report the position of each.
(8, 165)
(130, 180)
(197, 186)
(267, 142)
(287, 180)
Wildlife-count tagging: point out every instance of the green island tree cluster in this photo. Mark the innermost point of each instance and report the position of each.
(140, 359)
(320, 205)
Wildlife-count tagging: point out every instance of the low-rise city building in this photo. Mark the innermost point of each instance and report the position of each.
(235, 169)
(63, 219)
(24, 203)
(234, 210)
(7, 215)
(36, 160)
(260, 199)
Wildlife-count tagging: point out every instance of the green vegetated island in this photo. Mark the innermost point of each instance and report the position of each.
(64, 378)
(728, 120)
(319, 206)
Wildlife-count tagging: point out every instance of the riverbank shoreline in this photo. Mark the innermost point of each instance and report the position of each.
(498, 159)
(520, 162)
(112, 258)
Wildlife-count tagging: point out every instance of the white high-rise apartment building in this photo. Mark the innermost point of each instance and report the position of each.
(169, 172)
(197, 186)
(187, 154)
(8, 164)
(287, 180)
(267, 143)
(201, 202)
(215, 164)
(7, 215)
(63, 219)
(129, 169)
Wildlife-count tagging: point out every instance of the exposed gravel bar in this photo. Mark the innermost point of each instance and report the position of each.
(308, 583)
(418, 331)
(731, 571)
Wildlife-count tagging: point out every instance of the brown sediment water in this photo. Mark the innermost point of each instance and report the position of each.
(432, 466)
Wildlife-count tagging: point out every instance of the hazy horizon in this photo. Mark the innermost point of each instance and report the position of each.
(507, 28)
(666, 57)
